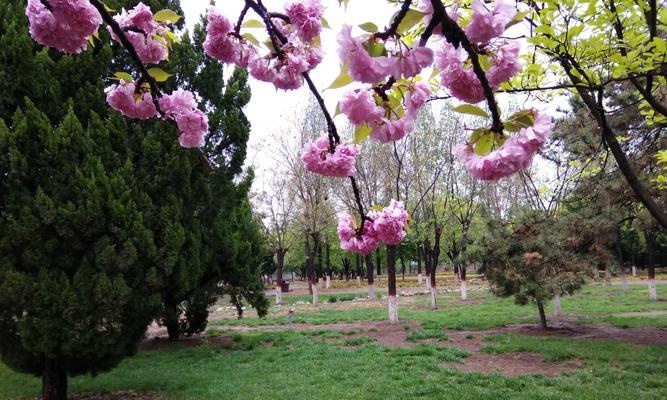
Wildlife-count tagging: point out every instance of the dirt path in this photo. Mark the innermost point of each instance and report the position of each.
(510, 364)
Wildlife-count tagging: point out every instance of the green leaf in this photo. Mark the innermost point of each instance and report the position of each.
(252, 23)
(108, 9)
(470, 109)
(158, 74)
(251, 39)
(376, 49)
(361, 133)
(166, 15)
(343, 79)
(325, 23)
(519, 120)
(484, 144)
(518, 17)
(123, 76)
(369, 27)
(412, 18)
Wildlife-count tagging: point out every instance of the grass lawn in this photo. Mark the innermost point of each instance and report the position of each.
(327, 364)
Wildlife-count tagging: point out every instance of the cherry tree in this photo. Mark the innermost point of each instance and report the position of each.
(463, 47)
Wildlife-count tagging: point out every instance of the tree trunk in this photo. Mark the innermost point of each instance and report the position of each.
(543, 317)
(650, 264)
(369, 276)
(377, 261)
(280, 256)
(171, 318)
(557, 307)
(391, 284)
(310, 265)
(54, 381)
(402, 268)
(419, 262)
(607, 275)
(464, 283)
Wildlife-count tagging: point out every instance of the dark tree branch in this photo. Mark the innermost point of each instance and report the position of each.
(455, 35)
(239, 22)
(145, 76)
(392, 30)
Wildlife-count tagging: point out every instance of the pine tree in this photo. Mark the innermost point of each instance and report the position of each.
(77, 281)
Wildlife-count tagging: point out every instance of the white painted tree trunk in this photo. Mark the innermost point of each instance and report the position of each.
(652, 291)
(428, 282)
(359, 280)
(328, 282)
(464, 290)
(315, 298)
(434, 299)
(557, 308)
(419, 279)
(634, 271)
(393, 309)
(596, 274)
(371, 292)
(279, 297)
(607, 276)
(625, 281)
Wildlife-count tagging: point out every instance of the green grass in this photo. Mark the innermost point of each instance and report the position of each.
(300, 365)
(297, 366)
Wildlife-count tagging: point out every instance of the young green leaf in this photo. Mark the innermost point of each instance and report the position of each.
(343, 79)
(361, 133)
(158, 74)
(123, 76)
(166, 15)
(470, 109)
(412, 18)
(369, 27)
(252, 23)
(484, 144)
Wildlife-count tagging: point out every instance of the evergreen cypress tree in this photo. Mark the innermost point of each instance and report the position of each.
(77, 278)
(98, 225)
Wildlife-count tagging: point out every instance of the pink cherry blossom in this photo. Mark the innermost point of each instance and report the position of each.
(123, 98)
(360, 65)
(218, 43)
(177, 101)
(352, 240)
(419, 94)
(66, 27)
(341, 163)
(387, 130)
(306, 18)
(360, 107)
(505, 65)
(515, 154)
(486, 25)
(389, 224)
(410, 62)
(461, 82)
(149, 42)
(262, 69)
(181, 106)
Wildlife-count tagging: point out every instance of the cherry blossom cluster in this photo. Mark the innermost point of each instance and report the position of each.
(515, 154)
(386, 226)
(136, 101)
(284, 65)
(320, 158)
(146, 35)
(66, 25)
(485, 26)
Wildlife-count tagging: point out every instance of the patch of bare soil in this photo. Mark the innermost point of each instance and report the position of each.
(514, 364)
(120, 395)
(636, 336)
(509, 364)
(161, 343)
